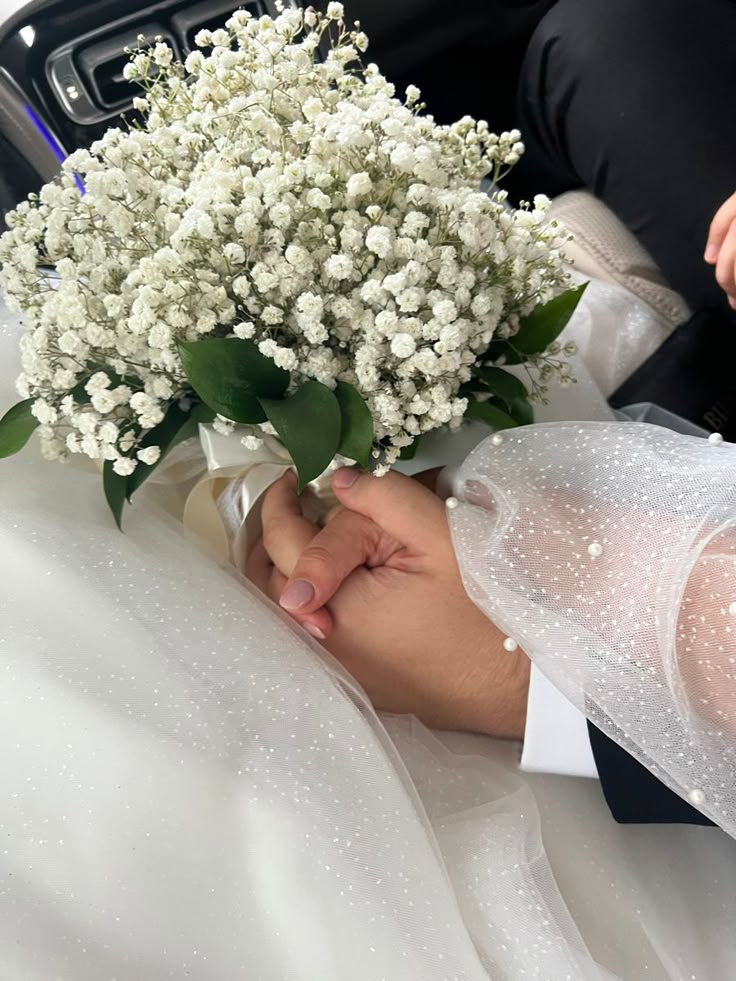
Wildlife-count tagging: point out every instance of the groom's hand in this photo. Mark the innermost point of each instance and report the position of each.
(382, 582)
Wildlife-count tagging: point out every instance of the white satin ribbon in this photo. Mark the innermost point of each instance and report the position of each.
(223, 508)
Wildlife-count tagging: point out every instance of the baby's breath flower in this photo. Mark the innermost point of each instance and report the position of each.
(403, 346)
(124, 466)
(359, 184)
(163, 55)
(149, 455)
(251, 442)
(282, 196)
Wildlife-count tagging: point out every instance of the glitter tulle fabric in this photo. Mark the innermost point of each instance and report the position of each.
(608, 551)
(190, 790)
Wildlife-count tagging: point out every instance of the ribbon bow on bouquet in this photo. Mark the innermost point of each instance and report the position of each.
(223, 508)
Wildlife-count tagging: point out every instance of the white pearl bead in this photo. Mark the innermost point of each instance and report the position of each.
(595, 550)
(451, 503)
(497, 439)
(715, 439)
(732, 610)
(510, 645)
(696, 797)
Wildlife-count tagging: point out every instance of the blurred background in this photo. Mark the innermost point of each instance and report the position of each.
(61, 64)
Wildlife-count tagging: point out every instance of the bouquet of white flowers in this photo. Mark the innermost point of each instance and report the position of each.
(281, 246)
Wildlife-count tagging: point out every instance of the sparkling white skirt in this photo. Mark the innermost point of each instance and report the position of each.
(191, 790)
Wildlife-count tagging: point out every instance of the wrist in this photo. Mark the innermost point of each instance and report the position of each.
(508, 719)
(499, 703)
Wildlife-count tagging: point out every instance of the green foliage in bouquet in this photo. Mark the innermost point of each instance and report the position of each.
(281, 249)
(231, 378)
(500, 399)
(16, 428)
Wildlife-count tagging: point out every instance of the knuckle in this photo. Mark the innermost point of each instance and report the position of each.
(721, 223)
(351, 532)
(347, 523)
(720, 218)
(318, 556)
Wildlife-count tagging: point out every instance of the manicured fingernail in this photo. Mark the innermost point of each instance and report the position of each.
(314, 631)
(345, 478)
(296, 595)
(711, 253)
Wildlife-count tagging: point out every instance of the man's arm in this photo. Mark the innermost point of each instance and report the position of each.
(558, 739)
(633, 794)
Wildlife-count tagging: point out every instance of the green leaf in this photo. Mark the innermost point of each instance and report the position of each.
(177, 426)
(410, 451)
(230, 375)
(200, 413)
(508, 393)
(16, 428)
(502, 352)
(309, 424)
(546, 322)
(115, 488)
(502, 383)
(356, 435)
(490, 414)
(79, 393)
(521, 411)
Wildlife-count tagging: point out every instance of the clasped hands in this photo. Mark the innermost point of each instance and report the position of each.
(380, 588)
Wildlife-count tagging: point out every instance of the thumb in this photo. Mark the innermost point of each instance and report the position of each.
(400, 506)
(346, 542)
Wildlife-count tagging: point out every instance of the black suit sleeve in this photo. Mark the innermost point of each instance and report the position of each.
(633, 794)
(605, 98)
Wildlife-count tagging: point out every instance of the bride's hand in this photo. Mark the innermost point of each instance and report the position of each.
(382, 580)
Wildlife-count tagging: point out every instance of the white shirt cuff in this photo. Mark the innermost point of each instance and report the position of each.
(556, 737)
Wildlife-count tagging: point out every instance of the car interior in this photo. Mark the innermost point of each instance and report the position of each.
(61, 74)
(276, 275)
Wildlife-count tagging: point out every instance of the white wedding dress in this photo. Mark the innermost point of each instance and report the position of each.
(190, 790)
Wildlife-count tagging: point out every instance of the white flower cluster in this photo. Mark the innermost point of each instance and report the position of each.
(277, 195)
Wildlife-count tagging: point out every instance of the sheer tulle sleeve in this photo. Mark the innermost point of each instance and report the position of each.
(608, 552)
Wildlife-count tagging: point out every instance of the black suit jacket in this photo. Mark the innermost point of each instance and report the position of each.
(632, 793)
(470, 64)
(684, 376)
